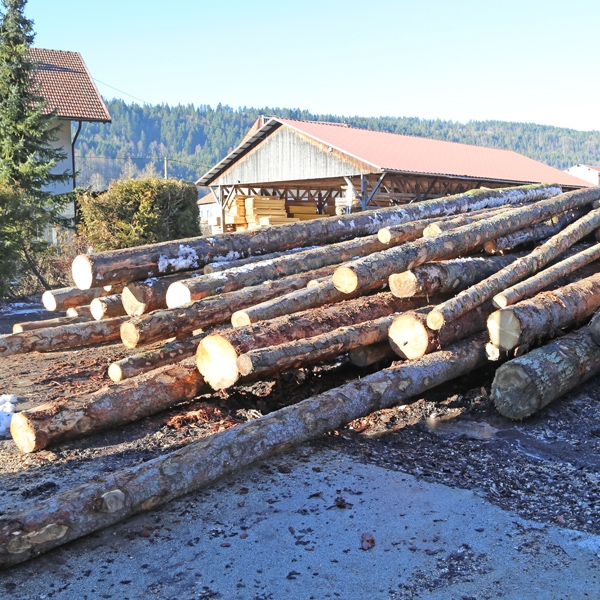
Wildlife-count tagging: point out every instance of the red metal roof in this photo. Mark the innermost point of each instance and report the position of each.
(67, 86)
(410, 154)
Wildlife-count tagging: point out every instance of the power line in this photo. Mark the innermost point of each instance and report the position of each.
(121, 91)
(152, 158)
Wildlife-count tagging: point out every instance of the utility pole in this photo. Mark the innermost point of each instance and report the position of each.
(166, 169)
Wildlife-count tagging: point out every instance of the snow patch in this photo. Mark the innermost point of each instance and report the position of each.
(7, 409)
(186, 259)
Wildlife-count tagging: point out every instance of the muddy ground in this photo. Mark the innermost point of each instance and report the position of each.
(545, 469)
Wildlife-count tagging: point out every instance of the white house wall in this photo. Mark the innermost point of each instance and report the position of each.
(287, 155)
(584, 172)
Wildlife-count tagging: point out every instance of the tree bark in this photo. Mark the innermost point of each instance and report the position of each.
(40, 526)
(410, 337)
(406, 232)
(365, 356)
(168, 354)
(448, 276)
(111, 406)
(218, 353)
(61, 337)
(520, 269)
(79, 311)
(545, 314)
(107, 307)
(180, 322)
(526, 384)
(216, 267)
(438, 226)
(70, 297)
(538, 282)
(33, 325)
(537, 232)
(131, 264)
(369, 272)
(262, 362)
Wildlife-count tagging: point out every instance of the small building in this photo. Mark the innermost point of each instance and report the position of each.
(585, 172)
(208, 209)
(334, 164)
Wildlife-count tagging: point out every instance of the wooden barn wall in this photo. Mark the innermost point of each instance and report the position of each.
(288, 156)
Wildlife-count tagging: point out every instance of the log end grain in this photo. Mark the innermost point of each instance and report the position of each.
(216, 360)
(133, 300)
(500, 300)
(178, 295)
(514, 393)
(345, 280)
(78, 311)
(384, 235)
(244, 364)
(435, 320)
(49, 301)
(98, 308)
(130, 336)
(82, 272)
(240, 318)
(408, 337)
(115, 373)
(25, 435)
(504, 329)
(403, 285)
(431, 230)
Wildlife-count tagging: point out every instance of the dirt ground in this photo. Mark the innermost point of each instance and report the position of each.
(546, 469)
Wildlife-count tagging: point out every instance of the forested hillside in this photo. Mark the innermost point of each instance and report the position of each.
(195, 138)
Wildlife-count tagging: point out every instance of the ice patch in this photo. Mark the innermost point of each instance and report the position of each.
(186, 259)
(7, 409)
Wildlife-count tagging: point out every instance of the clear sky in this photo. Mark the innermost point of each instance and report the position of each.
(512, 60)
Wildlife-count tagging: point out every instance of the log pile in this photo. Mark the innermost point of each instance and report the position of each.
(440, 320)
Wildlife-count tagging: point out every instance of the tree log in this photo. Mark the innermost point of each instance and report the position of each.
(168, 354)
(40, 526)
(107, 307)
(132, 264)
(545, 314)
(79, 311)
(216, 267)
(68, 297)
(33, 325)
(537, 232)
(111, 406)
(410, 337)
(526, 384)
(406, 232)
(449, 276)
(520, 269)
(538, 282)
(447, 224)
(369, 272)
(218, 353)
(61, 337)
(365, 356)
(299, 353)
(180, 322)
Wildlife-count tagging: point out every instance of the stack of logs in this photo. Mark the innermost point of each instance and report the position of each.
(441, 286)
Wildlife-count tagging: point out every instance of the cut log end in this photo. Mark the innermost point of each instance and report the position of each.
(431, 230)
(500, 300)
(240, 318)
(492, 352)
(216, 359)
(82, 272)
(403, 285)
(178, 295)
(504, 329)
(244, 364)
(514, 393)
(384, 235)
(133, 301)
(97, 308)
(345, 280)
(368, 355)
(130, 335)
(49, 301)
(24, 435)
(115, 373)
(408, 337)
(435, 320)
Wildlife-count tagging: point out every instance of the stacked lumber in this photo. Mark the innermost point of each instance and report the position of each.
(303, 210)
(262, 211)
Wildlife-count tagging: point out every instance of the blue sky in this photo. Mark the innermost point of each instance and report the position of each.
(527, 60)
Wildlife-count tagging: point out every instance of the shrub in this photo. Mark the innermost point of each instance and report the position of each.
(139, 211)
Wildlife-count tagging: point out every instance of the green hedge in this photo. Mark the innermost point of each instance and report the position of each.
(139, 211)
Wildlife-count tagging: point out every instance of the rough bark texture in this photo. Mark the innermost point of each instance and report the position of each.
(275, 359)
(406, 232)
(447, 224)
(148, 361)
(131, 264)
(544, 315)
(79, 311)
(520, 269)
(538, 282)
(449, 276)
(217, 354)
(46, 524)
(369, 272)
(111, 406)
(537, 232)
(365, 356)
(107, 307)
(410, 337)
(180, 322)
(61, 337)
(71, 296)
(33, 325)
(526, 384)
(224, 265)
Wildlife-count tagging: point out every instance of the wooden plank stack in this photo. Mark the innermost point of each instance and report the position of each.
(437, 328)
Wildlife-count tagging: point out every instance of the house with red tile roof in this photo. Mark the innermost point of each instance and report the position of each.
(585, 172)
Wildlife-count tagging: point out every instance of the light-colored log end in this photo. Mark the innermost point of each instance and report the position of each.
(504, 329)
(82, 272)
(49, 301)
(98, 308)
(408, 337)
(431, 230)
(78, 311)
(500, 300)
(240, 318)
(24, 435)
(244, 364)
(403, 285)
(384, 235)
(115, 373)
(492, 352)
(514, 393)
(345, 280)
(435, 320)
(130, 336)
(18, 328)
(368, 355)
(178, 295)
(133, 300)
(216, 360)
